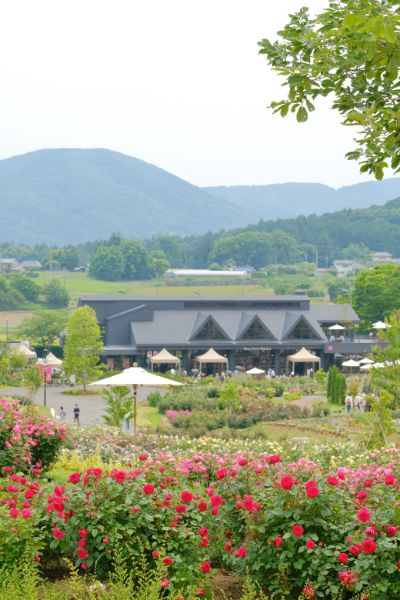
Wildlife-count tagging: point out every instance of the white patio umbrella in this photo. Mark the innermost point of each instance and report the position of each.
(366, 361)
(255, 371)
(380, 325)
(336, 327)
(351, 364)
(367, 367)
(136, 377)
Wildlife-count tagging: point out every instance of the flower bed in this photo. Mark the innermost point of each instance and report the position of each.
(296, 526)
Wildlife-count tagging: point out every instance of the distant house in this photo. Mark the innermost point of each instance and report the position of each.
(379, 258)
(31, 265)
(344, 267)
(10, 265)
(205, 273)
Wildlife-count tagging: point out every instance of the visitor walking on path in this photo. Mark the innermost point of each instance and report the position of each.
(76, 412)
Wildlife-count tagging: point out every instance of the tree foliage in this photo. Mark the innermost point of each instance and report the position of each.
(44, 327)
(55, 295)
(376, 292)
(83, 345)
(350, 52)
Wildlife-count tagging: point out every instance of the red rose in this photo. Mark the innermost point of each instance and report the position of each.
(74, 477)
(364, 515)
(82, 553)
(186, 496)
(368, 546)
(355, 549)
(203, 532)
(343, 558)
(155, 554)
(164, 583)
(148, 489)
(310, 544)
(297, 530)
(278, 541)
(83, 533)
(204, 542)
(391, 530)
(58, 534)
(312, 491)
(181, 508)
(287, 482)
(221, 473)
(216, 500)
(167, 561)
(241, 552)
(205, 567)
(202, 506)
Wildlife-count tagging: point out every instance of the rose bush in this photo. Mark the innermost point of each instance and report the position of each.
(27, 440)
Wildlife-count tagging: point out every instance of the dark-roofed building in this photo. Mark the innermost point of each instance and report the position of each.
(248, 331)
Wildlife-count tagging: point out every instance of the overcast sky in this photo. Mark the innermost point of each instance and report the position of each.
(178, 83)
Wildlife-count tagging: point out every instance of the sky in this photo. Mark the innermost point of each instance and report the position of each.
(177, 83)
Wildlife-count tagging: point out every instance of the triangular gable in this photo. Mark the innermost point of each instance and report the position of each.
(208, 329)
(255, 329)
(302, 330)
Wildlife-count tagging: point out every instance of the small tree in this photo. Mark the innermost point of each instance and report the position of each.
(229, 397)
(83, 345)
(353, 386)
(44, 327)
(119, 406)
(56, 296)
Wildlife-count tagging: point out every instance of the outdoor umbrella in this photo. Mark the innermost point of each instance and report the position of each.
(336, 327)
(136, 376)
(365, 361)
(380, 325)
(366, 367)
(350, 363)
(255, 371)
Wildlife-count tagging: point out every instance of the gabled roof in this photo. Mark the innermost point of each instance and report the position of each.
(201, 320)
(247, 320)
(290, 326)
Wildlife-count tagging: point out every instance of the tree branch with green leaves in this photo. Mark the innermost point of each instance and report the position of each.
(351, 53)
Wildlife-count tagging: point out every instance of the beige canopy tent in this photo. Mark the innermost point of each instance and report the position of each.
(211, 356)
(304, 356)
(25, 351)
(51, 359)
(164, 357)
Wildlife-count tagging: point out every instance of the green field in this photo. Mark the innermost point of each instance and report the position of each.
(80, 283)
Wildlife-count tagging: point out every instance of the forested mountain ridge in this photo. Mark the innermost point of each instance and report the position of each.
(62, 196)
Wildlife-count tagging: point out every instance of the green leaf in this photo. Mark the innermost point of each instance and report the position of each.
(302, 115)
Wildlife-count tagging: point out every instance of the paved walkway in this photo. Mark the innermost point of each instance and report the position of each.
(91, 406)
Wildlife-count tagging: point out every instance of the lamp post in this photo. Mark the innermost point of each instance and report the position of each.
(45, 376)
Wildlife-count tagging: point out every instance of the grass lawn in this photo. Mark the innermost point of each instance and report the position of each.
(80, 283)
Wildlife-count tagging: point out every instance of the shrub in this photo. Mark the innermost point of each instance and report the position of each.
(154, 398)
(26, 440)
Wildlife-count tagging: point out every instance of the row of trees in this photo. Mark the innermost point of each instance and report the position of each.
(17, 291)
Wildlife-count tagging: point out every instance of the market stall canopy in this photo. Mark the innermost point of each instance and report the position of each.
(23, 349)
(304, 356)
(366, 361)
(336, 327)
(211, 357)
(350, 363)
(164, 357)
(380, 325)
(255, 371)
(52, 360)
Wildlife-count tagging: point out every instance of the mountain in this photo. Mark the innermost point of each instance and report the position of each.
(287, 200)
(61, 196)
(73, 195)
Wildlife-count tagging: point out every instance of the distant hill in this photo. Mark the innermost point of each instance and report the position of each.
(287, 200)
(64, 196)
(71, 195)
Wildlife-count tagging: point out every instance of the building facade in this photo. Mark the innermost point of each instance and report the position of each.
(250, 332)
